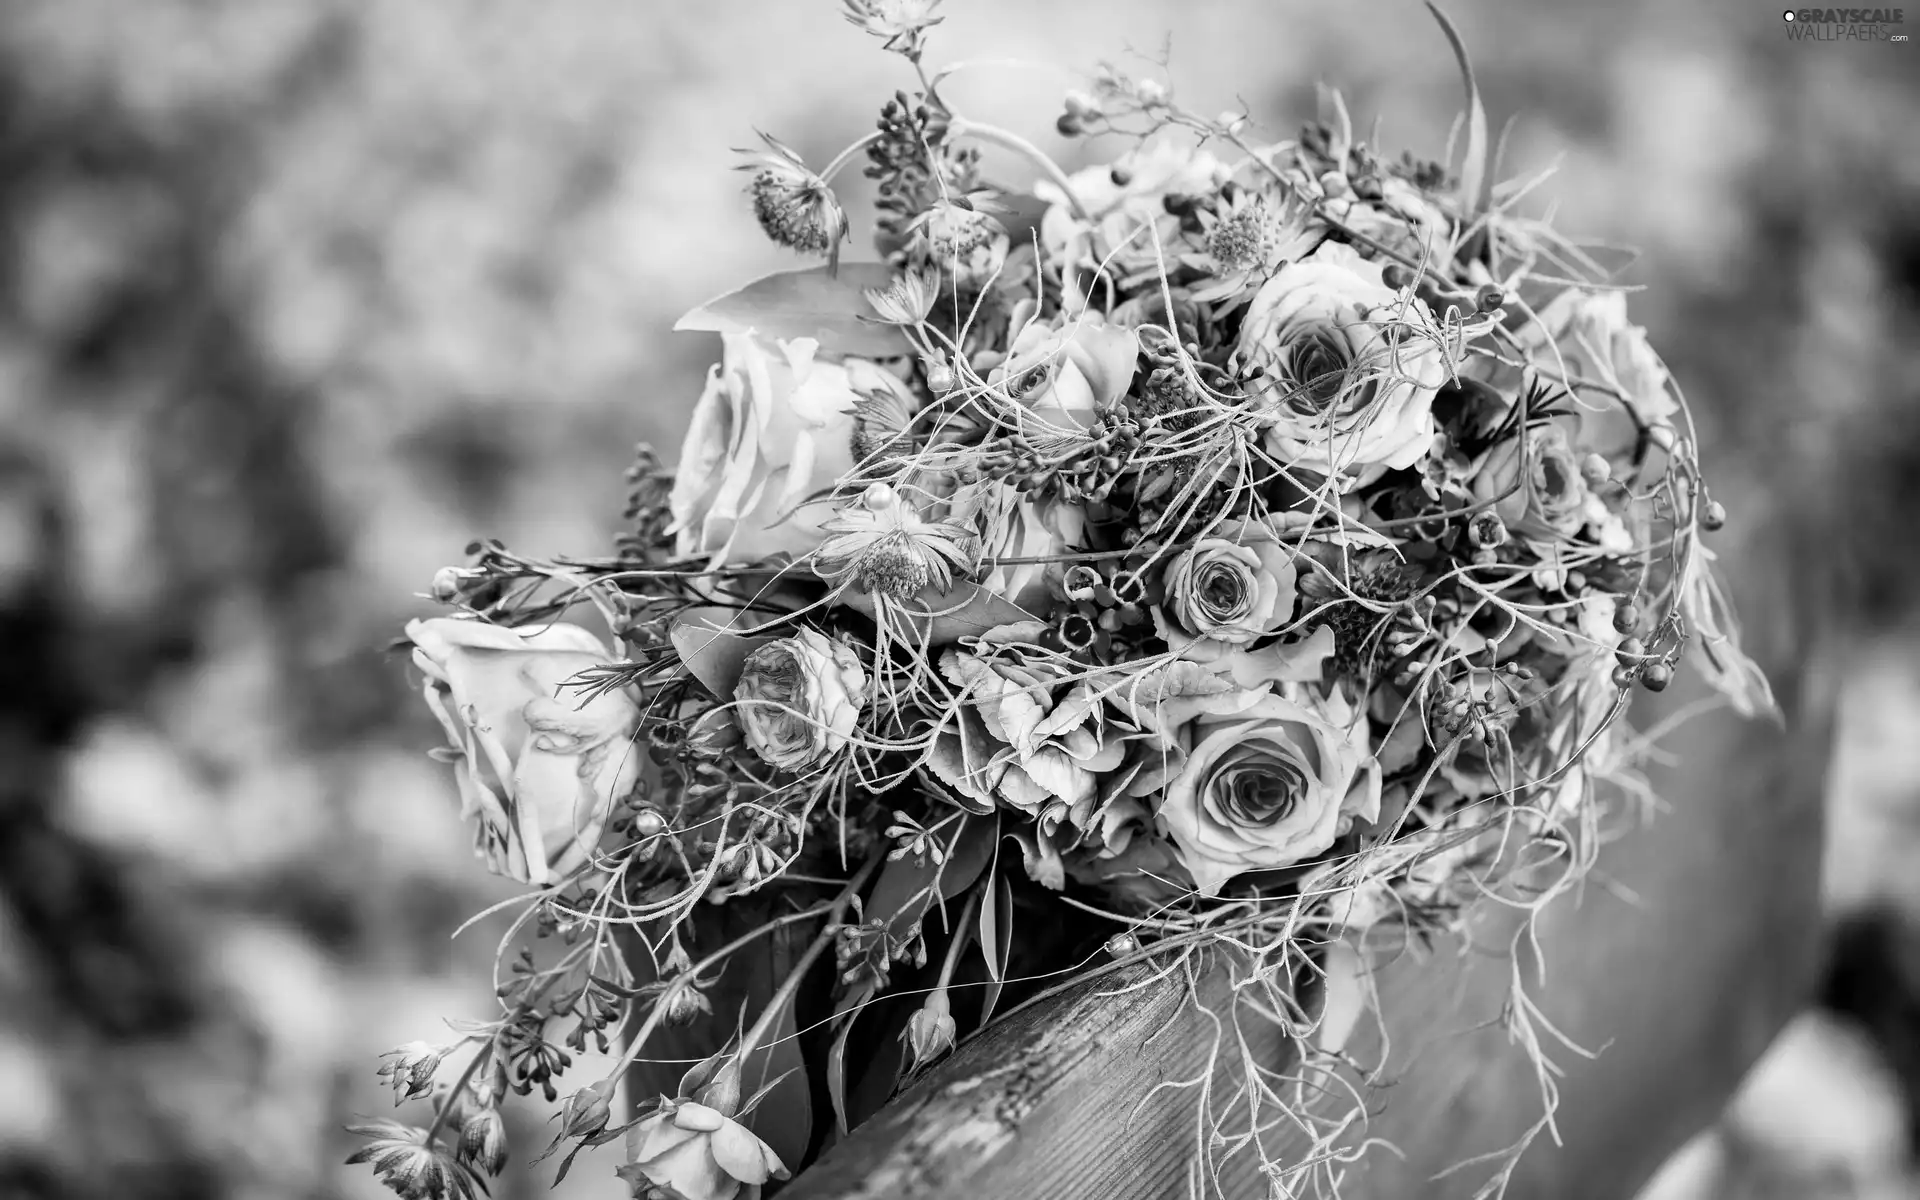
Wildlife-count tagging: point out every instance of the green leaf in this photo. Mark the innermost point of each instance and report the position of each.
(996, 940)
(1473, 166)
(705, 640)
(775, 1074)
(941, 618)
(813, 303)
(1021, 213)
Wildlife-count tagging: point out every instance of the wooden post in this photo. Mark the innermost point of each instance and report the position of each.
(1063, 1099)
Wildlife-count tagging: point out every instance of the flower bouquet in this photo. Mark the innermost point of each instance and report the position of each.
(1202, 557)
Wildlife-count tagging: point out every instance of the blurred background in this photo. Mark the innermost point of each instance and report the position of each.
(299, 296)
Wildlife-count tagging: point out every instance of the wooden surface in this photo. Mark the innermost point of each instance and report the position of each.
(1050, 1104)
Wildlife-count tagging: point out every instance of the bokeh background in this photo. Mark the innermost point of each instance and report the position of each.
(299, 296)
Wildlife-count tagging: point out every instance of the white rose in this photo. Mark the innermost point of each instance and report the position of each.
(1350, 385)
(540, 766)
(693, 1152)
(1266, 786)
(1068, 376)
(799, 699)
(1593, 337)
(774, 425)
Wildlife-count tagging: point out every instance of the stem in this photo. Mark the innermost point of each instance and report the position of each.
(840, 159)
(791, 984)
(1006, 138)
(446, 1106)
(656, 1015)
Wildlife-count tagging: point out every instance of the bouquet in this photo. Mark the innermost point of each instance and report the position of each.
(1198, 558)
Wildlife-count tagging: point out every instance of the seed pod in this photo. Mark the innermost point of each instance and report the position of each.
(1713, 517)
(1656, 676)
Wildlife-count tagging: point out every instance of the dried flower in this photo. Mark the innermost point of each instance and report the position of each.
(483, 1141)
(795, 207)
(903, 23)
(884, 547)
(410, 1069)
(961, 239)
(907, 300)
(412, 1168)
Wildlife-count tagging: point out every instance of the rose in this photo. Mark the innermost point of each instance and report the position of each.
(1128, 229)
(1552, 500)
(689, 1151)
(1068, 376)
(1011, 526)
(1352, 379)
(1267, 786)
(799, 699)
(774, 425)
(540, 768)
(1592, 336)
(1227, 590)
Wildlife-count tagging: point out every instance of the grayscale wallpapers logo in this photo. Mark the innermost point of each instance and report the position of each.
(1846, 24)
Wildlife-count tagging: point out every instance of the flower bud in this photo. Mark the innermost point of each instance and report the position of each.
(1068, 125)
(683, 1004)
(447, 583)
(410, 1069)
(1489, 298)
(1713, 517)
(1120, 945)
(940, 378)
(483, 1141)
(931, 1030)
(1152, 92)
(1596, 470)
(587, 1110)
(1656, 676)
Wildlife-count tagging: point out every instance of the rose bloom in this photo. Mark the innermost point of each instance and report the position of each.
(688, 1151)
(774, 426)
(1011, 526)
(799, 699)
(1068, 376)
(1552, 501)
(539, 765)
(1268, 785)
(1130, 228)
(1350, 388)
(1593, 337)
(1227, 590)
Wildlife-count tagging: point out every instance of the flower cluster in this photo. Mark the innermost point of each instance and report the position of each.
(1215, 526)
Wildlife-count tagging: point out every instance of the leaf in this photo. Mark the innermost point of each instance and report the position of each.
(705, 641)
(1021, 213)
(941, 618)
(996, 938)
(1473, 166)
(776, 1075)
(813, 303)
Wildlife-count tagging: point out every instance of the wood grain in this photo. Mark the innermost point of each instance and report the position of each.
(1052, 1102)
